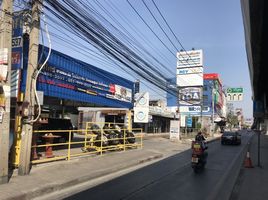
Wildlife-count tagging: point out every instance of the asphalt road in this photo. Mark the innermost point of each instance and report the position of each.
(171, 178)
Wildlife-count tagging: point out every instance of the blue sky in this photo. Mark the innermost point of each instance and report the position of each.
(215, 26)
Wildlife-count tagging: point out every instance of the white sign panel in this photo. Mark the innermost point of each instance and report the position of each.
(183, 120)
(142, 99)
(174, 129)
(192, 70)
(3, 72)
(190, 80)
(141, 114)
(190, 109)
(15, 74)
(189, 58)
(4, 56)
(234, 97)
(122, 93)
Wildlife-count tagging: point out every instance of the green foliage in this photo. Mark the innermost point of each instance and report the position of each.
(232, 119)
(198, 125)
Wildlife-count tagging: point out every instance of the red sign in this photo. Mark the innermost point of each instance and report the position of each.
(112, 88)
(16, 58)
(212, 76)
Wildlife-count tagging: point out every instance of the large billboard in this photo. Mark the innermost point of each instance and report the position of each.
(192, 58)
(190, 68)
(68, 78)
(190, 96)
(190, 80)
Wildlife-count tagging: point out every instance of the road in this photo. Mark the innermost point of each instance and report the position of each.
(171, 178)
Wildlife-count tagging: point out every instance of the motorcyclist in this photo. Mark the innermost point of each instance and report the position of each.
(200, 138)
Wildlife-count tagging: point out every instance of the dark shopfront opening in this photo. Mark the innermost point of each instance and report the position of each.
(114, 119)
(157, 125)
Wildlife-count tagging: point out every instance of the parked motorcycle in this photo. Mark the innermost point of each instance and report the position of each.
(199, 156)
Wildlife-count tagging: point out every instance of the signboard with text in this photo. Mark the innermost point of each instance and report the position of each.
(190, 96)
(17, 40)
(234, 94)
(68, 78)
(192, 58)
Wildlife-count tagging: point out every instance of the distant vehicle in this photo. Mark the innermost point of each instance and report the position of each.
(231, 138)
(57, 124)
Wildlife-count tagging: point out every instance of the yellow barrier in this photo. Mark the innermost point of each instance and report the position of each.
(85, 142)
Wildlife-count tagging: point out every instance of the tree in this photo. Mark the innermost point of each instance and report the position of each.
(232, 120)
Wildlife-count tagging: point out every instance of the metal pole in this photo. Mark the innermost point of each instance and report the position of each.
(259, 146)
(212, 111)
(27, 128)
(201, 107)
(5, 48)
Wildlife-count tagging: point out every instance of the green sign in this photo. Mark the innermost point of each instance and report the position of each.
(235, 90)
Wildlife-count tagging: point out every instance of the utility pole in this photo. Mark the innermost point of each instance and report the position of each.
(29, 100)
(5, 68)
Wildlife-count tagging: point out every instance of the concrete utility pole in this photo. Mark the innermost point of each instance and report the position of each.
(5, 44)
(27, 127)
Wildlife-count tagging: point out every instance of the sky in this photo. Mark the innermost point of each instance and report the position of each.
(215, 26)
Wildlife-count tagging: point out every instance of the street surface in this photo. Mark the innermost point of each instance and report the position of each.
(171, 178)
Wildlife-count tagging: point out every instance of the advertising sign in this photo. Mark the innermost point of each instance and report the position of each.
(141, 107)
(174, 130)
(3, 56)
(141, 114)
(142, 99)
(192, 70)
(68, 78)
(189, 122)
(190, 96)
(73, 81)
(192, 58)
(3, 72)
(17, 40)
(190, 80)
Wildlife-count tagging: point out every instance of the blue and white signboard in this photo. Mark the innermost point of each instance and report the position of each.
(189, 122)
(17, 40)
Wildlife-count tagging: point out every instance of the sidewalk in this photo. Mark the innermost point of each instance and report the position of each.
(54, 176)
(253, 182)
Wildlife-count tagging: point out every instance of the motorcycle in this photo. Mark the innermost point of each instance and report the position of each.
(199, 156)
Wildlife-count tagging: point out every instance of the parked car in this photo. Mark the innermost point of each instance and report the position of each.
(231, 138)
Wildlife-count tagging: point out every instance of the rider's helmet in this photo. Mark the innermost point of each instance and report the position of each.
(199, 137)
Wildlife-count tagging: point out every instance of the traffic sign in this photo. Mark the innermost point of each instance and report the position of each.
(234, 94)
(235, 90)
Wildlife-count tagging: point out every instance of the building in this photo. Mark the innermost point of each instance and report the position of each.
(213, 104)
(214, 100)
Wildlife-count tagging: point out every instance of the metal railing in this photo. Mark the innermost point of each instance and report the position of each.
(66, 144)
